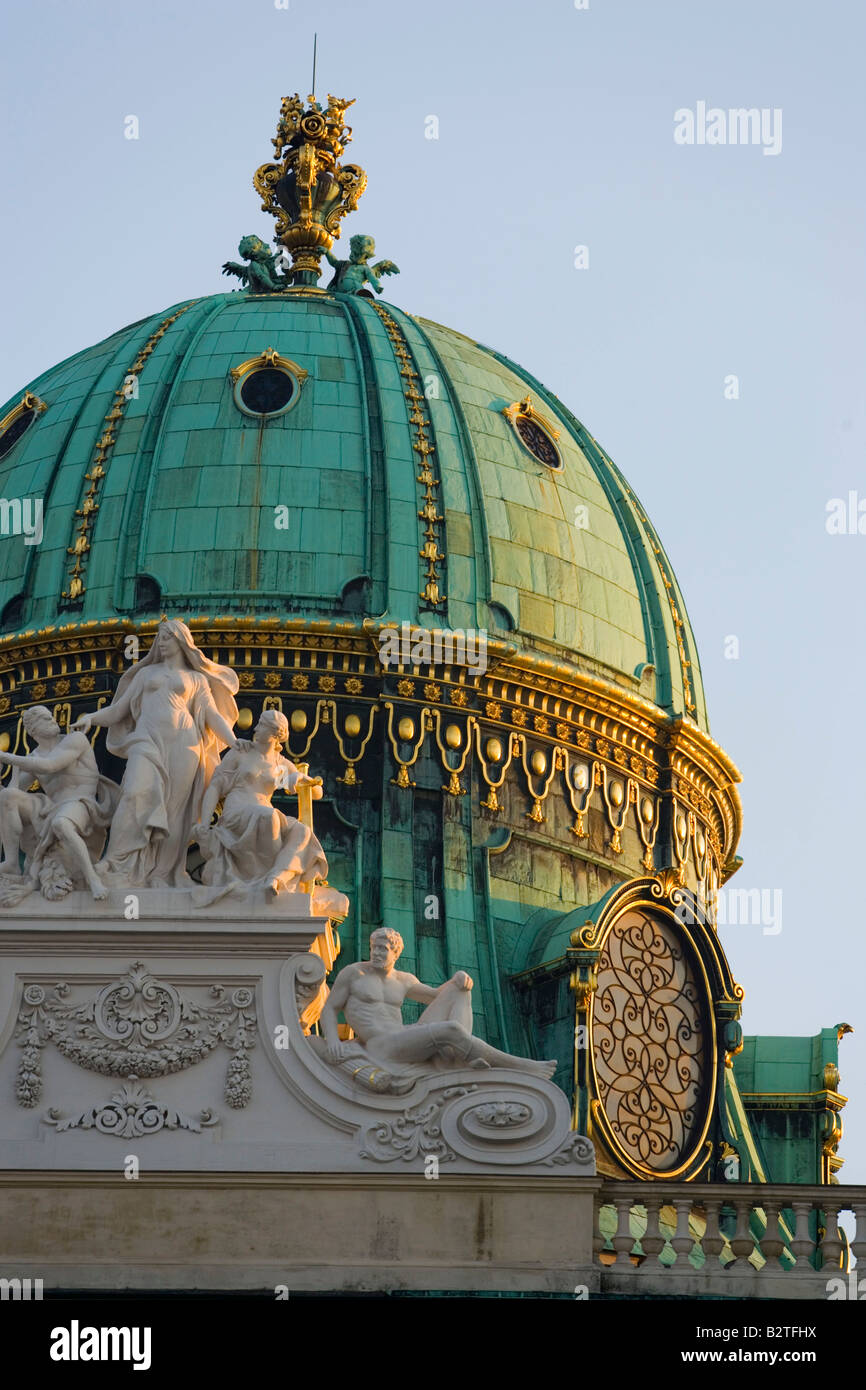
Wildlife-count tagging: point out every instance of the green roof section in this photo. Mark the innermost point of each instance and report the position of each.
(563, 561)
(790, 1093)
(785, 1066)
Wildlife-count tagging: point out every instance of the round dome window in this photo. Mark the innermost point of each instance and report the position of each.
(266, 392)
(267, 385)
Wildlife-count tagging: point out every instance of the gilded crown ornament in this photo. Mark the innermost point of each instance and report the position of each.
(307, 189)
(309, 192)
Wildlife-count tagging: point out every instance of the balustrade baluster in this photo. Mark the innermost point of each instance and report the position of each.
(652, 1242)
(623, 1240)
(772, 1243)
(713, 1240)
(802, 1245)
(683, 1240)
(831, 1245)
(742, 1242)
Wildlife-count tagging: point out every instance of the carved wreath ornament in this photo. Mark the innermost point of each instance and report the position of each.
(137, 1026)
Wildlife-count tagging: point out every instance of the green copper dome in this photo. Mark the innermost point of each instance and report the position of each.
(163, 493)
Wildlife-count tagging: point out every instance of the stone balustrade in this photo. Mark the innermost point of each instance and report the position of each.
(745, 1240)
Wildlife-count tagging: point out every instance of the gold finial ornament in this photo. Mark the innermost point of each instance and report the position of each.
(306, 189)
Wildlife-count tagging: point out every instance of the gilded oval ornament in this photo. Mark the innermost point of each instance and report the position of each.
(652, 1044)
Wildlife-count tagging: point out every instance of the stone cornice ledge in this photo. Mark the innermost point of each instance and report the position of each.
(389, 1179)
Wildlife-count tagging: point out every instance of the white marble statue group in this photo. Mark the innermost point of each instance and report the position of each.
(171, 717)
(171, 720)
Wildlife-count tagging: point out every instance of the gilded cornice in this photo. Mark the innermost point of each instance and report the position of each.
(558, 730)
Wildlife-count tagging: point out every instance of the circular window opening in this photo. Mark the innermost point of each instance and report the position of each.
(266, 391)
(538, 442)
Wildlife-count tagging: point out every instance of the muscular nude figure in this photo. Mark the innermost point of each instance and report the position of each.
(70, 813)
(370, 995)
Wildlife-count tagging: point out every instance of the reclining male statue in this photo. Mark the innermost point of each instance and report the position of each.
(388, 1055)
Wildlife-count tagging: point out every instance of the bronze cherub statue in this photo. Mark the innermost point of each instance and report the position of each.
(352, 274)
(261, 276)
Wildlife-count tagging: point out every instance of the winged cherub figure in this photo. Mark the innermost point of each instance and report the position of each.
(354, 273)
(261, 276)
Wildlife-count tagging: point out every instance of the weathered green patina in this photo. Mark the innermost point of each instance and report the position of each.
(189, 497)
(352, 275)
(261, 275)
(790, 1093)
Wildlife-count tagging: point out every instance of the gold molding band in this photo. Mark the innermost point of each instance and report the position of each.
(433, 522)
(89, 506)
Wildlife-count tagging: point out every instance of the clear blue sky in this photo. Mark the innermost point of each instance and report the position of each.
(555, 129)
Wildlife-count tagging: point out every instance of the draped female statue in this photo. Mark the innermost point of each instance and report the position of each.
(254, 845)
(171, 716)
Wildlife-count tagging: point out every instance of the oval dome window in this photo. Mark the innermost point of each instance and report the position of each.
(539, 444)
(534, 432)
(267, 391)
(18, 421)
